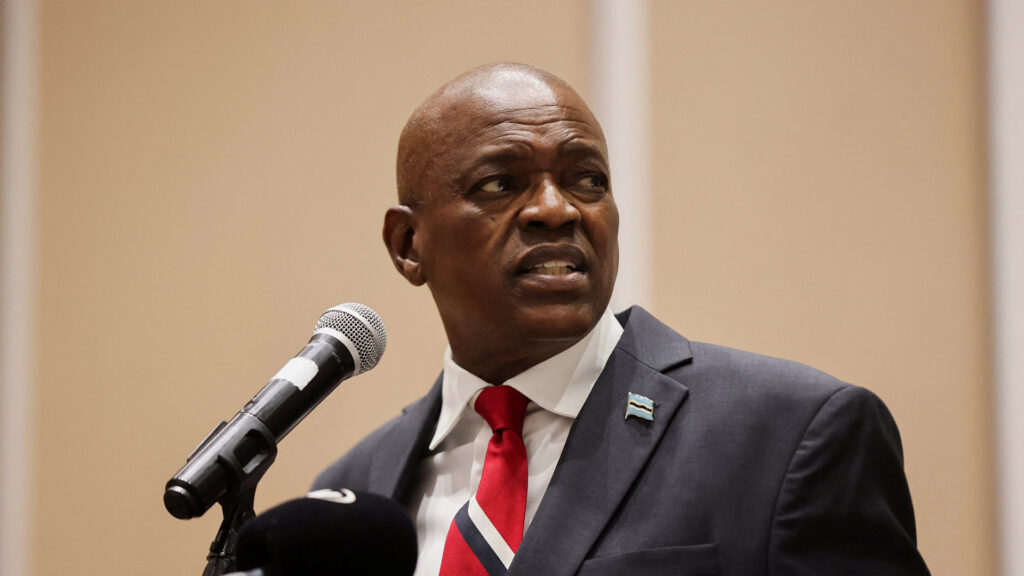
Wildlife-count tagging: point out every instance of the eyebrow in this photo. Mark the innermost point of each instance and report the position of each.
(507, 153)
(577, 146)
(503, 154)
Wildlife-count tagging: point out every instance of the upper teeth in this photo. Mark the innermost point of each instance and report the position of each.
(560, 266)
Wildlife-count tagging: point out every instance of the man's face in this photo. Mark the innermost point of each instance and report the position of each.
(517, 232)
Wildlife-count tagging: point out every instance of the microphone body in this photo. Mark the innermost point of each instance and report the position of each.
(349, 339)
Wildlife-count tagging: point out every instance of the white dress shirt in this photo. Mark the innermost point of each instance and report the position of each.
(450, 474)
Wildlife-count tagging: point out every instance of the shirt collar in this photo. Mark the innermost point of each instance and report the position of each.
(559, 384)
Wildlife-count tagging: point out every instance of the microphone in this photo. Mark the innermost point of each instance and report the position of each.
(349, 339)
(329, 533)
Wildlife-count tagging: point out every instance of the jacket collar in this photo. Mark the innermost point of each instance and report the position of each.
(393, 471)
(606, 451)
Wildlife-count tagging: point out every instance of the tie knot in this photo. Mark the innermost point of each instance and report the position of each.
(503, 407)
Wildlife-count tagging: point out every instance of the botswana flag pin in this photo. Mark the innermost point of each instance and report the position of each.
(640, 406)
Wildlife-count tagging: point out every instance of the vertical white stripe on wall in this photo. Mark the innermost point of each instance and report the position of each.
(620, 71)
(1006, 176)
(17, 152)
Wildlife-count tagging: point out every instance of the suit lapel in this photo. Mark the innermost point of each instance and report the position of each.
(394, 467)
(605, 452)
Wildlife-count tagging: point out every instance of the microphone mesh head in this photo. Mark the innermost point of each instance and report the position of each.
(362, 326)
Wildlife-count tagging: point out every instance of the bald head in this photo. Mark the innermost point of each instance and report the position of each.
(482, 96)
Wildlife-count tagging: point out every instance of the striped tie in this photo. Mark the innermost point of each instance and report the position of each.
(487, 530)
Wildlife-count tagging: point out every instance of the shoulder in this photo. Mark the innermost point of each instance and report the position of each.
(380, 461)
(761, 400)
(711, 371)
(798, 396)
(727, 371)
(352, 470)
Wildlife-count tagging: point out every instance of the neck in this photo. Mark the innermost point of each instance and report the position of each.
(499, 366)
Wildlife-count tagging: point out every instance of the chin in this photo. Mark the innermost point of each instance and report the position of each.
(556, 323)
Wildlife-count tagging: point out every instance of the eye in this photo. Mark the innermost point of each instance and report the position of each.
(496, 186)
(499, 184)
(593, 183)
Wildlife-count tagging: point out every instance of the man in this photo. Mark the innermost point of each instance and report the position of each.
(639, 452)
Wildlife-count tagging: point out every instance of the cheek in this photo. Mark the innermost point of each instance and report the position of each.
(613, 231)
(612, 217)
(604, 234)
(460, 257)
(603, 229)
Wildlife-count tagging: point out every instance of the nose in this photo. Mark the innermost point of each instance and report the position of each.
(548, 206)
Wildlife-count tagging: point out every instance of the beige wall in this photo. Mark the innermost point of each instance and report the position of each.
(819, 177)
(212, 175)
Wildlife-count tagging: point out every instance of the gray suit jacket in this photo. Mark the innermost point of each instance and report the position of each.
(752, 466)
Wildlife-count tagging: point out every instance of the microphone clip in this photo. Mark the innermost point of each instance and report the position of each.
(223, 550)
(243, 455)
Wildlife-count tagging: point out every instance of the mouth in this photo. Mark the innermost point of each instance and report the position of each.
(553, 268)
(556, 268)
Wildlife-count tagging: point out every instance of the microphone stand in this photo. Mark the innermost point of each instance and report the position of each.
(221, 558)
(237, 505)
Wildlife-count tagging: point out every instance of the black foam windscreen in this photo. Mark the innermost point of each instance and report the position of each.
(339, 534)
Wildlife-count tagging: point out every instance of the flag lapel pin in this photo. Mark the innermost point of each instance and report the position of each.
(640, 406)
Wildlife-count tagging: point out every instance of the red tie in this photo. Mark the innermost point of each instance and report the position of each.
(487, 530)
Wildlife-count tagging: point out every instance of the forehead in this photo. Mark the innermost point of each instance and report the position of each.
(465, 120)
(508, 89)
(518, 116)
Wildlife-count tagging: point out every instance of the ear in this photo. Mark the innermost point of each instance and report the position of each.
(401, 242)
